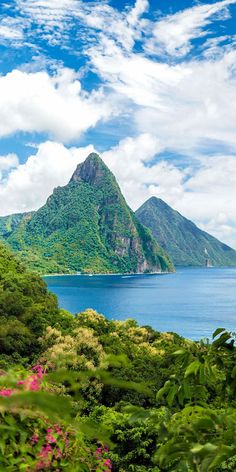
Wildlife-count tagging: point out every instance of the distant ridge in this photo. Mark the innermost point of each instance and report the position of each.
(85, 226)
(187, 244)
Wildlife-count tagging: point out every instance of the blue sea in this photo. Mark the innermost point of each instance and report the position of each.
(192, 302)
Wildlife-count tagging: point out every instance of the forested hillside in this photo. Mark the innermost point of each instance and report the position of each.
(87, 394)
(187, 244)
(85, 226)
(26, 308)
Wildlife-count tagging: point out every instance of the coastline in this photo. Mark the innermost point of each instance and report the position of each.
(108, 274)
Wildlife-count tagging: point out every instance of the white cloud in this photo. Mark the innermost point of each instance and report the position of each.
(10, 29)
(131, 162)
(134, 15)
(8, 162)
(55, 18)
(198, 110)
(125, 27)
(174, 33)
(38, 102)
(186, 105)
(28, 186)
(206, 194)
(48, 13)
(209, 197)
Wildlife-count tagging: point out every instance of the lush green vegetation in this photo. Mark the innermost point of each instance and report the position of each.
(85, 226)
(181, 238)
(26, 309)
(87, 394)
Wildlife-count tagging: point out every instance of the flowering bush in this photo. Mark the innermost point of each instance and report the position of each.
(46, 445)
(104, 464)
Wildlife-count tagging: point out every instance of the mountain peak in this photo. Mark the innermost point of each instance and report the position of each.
(91, 170)
(156, 200)
(87, 226)
(181, 238)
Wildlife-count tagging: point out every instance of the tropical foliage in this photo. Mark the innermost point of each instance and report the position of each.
(87, 394)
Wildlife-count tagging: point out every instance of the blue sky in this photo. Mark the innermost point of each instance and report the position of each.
(151, 85)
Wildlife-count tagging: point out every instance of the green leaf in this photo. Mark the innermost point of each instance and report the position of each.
(202, 376)
(180, 352)
(218, 331)
(171, 395)
(204, 449)
(225, 453)
(161, 392)
(205, 424)
(233, 375)
(51, 405)
(222, 339)
(192, 369)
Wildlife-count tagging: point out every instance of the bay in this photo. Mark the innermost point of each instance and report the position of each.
(192, 302)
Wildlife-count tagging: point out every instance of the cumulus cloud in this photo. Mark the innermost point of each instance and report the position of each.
(137, 177)
(209, 197)
(175, 104)
(8, 162)
(28, 185)
(38, 102)
(205, 194)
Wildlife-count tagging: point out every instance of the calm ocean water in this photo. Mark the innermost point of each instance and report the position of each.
(192, 302)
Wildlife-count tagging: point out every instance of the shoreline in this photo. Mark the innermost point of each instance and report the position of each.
(127, 274)
(136, 273)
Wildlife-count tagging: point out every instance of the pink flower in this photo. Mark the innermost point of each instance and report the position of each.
(107, 463)
(44, 456)
(20, 382)
(58, 453)
(6, 392)
(33, 383)
(46, 450)
(50, 438)
(34, 438)
(58, 429)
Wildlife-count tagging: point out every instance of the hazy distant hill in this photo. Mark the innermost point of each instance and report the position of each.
(181, 238)
(85, 226)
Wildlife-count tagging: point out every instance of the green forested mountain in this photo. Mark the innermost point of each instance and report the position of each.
(85, 226)
(181, 238)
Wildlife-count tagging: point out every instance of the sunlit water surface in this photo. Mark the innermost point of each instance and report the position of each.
(192, 302)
